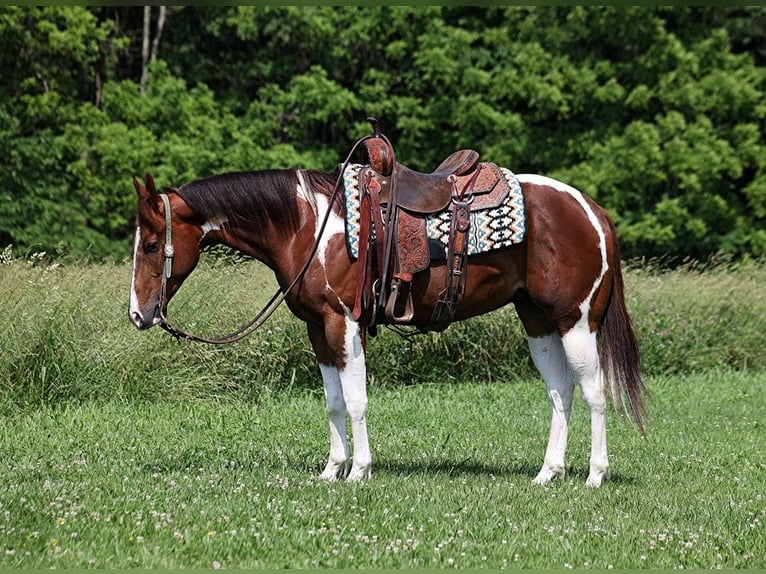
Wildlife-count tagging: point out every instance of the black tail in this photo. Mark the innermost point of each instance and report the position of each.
(619, 353)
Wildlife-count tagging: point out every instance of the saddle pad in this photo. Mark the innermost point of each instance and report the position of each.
(494, 228)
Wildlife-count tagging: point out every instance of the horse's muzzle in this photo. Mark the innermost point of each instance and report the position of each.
(143, 322)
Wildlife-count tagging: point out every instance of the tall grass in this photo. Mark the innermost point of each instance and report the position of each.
(127, 449)
(697, 317)
(66, 336)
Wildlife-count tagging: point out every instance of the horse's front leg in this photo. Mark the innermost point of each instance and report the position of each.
(337, 463)
(340, 351)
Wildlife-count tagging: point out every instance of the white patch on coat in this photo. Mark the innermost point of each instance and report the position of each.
(319, 205)
(304, 192)
(335, 226)
(214, 224)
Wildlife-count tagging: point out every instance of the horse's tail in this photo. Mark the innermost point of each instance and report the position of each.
(618, 351)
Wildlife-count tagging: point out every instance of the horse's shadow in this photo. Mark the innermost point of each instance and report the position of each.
(523, 471)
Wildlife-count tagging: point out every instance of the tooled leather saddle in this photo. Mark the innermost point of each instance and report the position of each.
(393, 243)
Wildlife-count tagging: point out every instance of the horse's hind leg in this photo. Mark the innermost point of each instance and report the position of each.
(582, 357)
(548, 356)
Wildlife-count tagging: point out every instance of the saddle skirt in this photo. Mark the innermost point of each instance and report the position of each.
(491, 227)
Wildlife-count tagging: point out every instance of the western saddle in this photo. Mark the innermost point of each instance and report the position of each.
(395, 202)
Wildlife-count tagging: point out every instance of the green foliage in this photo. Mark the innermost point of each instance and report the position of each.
(123, 428)
(657, 112)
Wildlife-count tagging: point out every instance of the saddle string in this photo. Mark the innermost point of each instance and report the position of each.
(391, 213)
(276, 300)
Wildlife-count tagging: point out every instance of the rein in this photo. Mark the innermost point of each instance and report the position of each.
(276, 300)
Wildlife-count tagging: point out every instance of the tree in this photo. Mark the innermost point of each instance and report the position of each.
(655, 111)
(148, 56)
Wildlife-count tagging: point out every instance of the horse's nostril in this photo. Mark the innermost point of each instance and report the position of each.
(137, 319)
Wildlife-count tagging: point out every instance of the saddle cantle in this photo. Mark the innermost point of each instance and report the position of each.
(393, 240)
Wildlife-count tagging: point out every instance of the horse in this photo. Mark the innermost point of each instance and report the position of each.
(564, 279)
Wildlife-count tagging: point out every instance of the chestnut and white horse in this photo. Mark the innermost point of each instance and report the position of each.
(564, 279)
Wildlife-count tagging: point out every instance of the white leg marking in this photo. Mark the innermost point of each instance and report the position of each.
(582, 357)
(580, 344)
(346, 393)
(353, 378)
(548, 356)
(336, 411)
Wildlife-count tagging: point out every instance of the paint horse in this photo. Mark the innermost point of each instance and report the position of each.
(564, 279)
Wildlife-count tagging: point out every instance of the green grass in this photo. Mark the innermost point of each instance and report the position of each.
(123, 449)
(231, 484)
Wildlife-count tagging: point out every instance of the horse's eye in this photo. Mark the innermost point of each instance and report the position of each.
(151, 247)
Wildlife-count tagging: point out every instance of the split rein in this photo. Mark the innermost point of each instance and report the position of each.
(276, 300)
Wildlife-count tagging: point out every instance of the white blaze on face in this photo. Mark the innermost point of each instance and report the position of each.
(135, 309)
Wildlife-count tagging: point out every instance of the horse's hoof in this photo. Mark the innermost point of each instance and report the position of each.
(547, 474)
(333, 471)
(358, 474)
(596, 478)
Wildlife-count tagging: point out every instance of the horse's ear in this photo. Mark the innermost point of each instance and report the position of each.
(147, 194)
(145, 191)
(140, 189)
(150, 187)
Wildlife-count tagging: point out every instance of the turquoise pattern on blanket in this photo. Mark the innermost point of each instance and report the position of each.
(491, 229)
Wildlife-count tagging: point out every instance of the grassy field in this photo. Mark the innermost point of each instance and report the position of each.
(229, 484)
(68, 337)
(125, 449)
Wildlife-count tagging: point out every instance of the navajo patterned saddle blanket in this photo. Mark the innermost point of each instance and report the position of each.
(490, 229)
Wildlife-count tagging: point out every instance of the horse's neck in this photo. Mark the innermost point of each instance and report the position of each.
(273, 245)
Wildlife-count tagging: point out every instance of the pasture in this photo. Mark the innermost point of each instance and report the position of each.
(125, 449)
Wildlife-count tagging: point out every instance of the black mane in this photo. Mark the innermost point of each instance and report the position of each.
(253, 198)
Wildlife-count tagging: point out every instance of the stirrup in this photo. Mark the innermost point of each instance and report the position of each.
(399, 288)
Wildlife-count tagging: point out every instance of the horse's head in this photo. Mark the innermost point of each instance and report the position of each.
(165, 251)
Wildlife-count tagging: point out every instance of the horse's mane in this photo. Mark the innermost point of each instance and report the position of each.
(254, 198)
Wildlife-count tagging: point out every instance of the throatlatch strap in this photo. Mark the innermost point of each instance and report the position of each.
(169, 251)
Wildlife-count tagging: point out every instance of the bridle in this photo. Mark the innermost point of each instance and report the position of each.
(241, 332)
(276, 300)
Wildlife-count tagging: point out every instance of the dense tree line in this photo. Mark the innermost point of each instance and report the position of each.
(656, 112)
